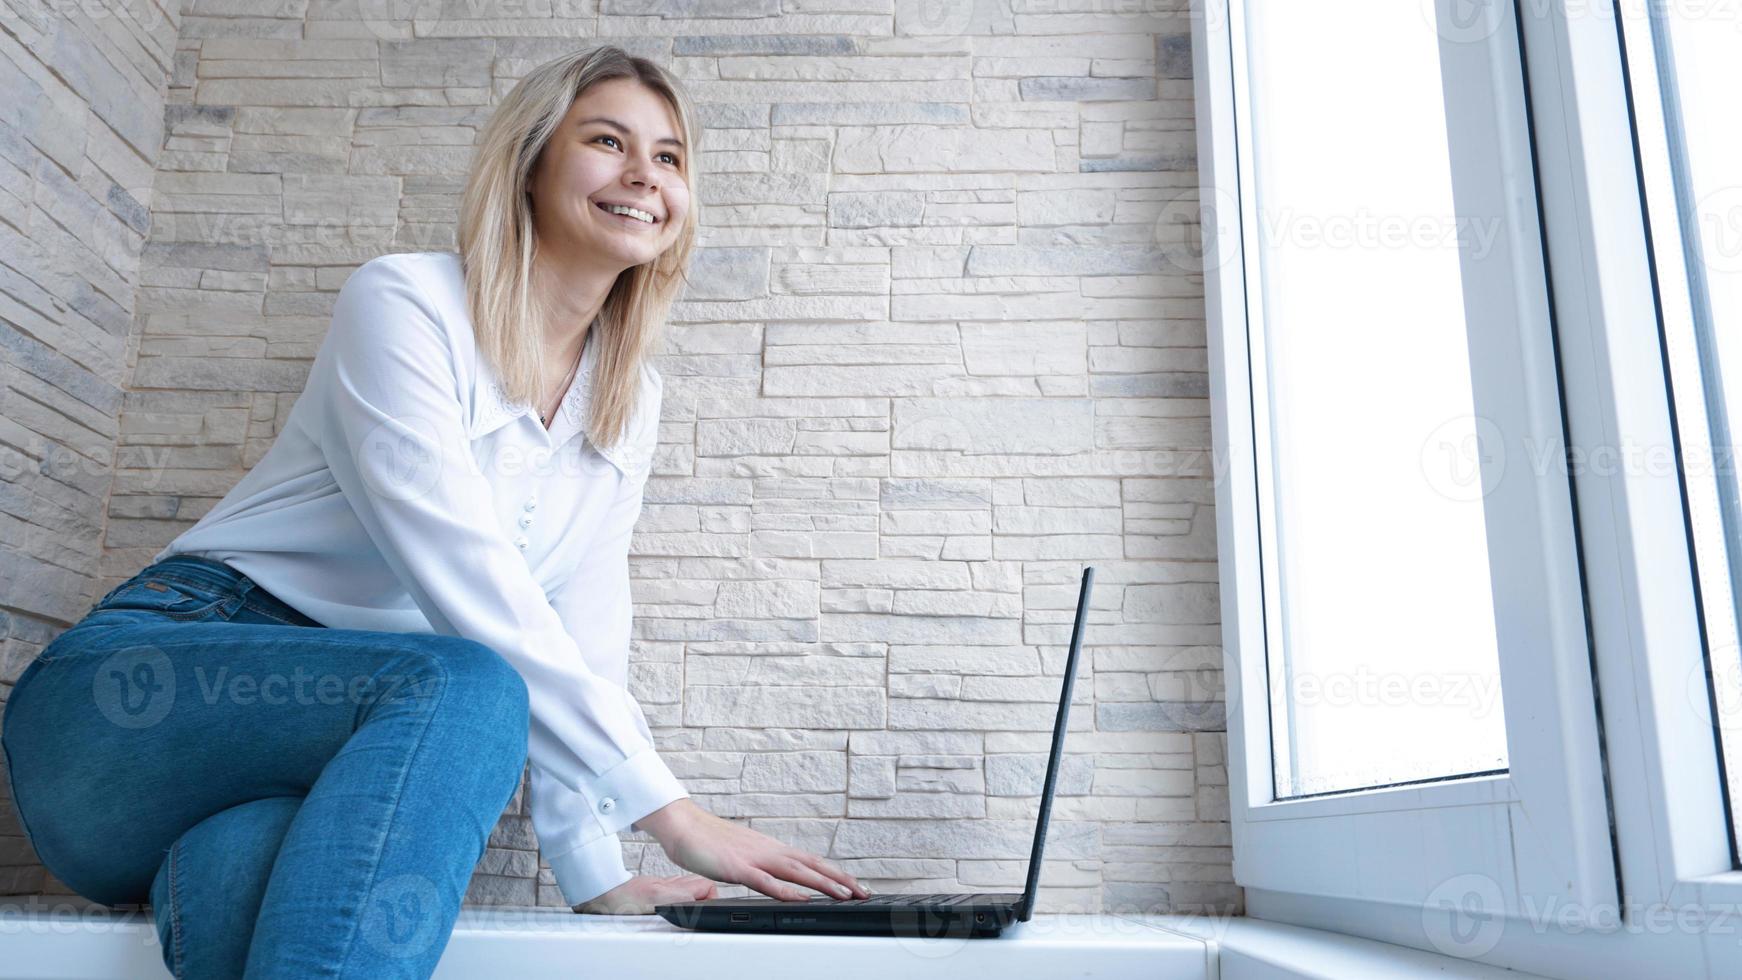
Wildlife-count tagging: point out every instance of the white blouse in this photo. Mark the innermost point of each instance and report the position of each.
(406, 493)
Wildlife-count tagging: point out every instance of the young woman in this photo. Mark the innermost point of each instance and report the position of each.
(295, 730)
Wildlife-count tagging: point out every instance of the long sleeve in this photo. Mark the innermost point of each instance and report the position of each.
(594, 604)
(390, 423)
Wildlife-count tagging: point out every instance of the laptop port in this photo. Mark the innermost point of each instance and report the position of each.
(740, 917)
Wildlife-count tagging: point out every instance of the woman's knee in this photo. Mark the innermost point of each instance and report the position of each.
(490, 691)
(210, 886)
(485, 674)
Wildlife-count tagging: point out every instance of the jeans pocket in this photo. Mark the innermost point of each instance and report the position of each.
(169, 597)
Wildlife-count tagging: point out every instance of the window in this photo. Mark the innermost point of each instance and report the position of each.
(1559, 366)
(1693, 185)
(1385, 667)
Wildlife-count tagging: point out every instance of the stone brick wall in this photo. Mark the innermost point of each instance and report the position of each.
(937, 357)
(81, 127)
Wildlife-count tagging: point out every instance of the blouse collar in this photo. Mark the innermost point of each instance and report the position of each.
(633, 454)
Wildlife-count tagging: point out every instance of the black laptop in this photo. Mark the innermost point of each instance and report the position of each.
(910, 916)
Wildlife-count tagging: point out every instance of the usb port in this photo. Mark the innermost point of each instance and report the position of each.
(740, 917)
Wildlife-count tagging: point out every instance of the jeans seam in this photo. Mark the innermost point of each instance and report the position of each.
(171, 576)
(260, 610)
(225, 595)
(175, 930)
(188, 581)
(399, 792)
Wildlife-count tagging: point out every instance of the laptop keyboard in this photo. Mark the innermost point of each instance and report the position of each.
(933, 899)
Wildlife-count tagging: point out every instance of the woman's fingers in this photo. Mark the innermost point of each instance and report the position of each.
(833, 873)
(771, 886)
(797, 871)
(809, 870)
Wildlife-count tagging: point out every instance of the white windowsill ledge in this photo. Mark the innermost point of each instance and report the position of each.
(1244, 948)
(531, 944)
(548, 943)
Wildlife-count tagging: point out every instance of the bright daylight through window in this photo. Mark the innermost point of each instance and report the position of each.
(1696, 197)
(1385, 664)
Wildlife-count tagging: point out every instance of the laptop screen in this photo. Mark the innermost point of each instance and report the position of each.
(1058, 746)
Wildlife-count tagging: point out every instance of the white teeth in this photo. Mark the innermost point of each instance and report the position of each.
(620, 209)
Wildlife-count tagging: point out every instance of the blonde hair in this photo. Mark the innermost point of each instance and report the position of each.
(497, 241)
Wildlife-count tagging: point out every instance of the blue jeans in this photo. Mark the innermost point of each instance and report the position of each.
(294, 801)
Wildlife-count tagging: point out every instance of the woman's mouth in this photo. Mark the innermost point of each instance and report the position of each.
(629, 218)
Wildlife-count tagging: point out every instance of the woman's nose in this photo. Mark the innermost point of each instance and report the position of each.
(642, 173)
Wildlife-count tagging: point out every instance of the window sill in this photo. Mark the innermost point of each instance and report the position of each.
(1245, 948)
(538, 943)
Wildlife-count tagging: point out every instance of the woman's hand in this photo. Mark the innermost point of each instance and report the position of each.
(697, 840)
(640, 894)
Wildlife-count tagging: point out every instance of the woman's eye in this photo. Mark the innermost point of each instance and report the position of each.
(674, 159)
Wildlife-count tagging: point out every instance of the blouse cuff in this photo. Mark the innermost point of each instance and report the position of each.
(590, 870)
(624, 794)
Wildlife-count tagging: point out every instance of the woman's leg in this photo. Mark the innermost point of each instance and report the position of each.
(207, 893)
(135, 728)
(372, 873)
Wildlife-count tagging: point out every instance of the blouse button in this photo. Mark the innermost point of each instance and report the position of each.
(530, 504)
(525, 520)
(520, 542)
(607, 804)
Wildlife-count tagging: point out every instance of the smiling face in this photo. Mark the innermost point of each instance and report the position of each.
(590, 162)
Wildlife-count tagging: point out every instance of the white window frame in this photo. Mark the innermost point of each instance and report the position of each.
(1645, 790)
